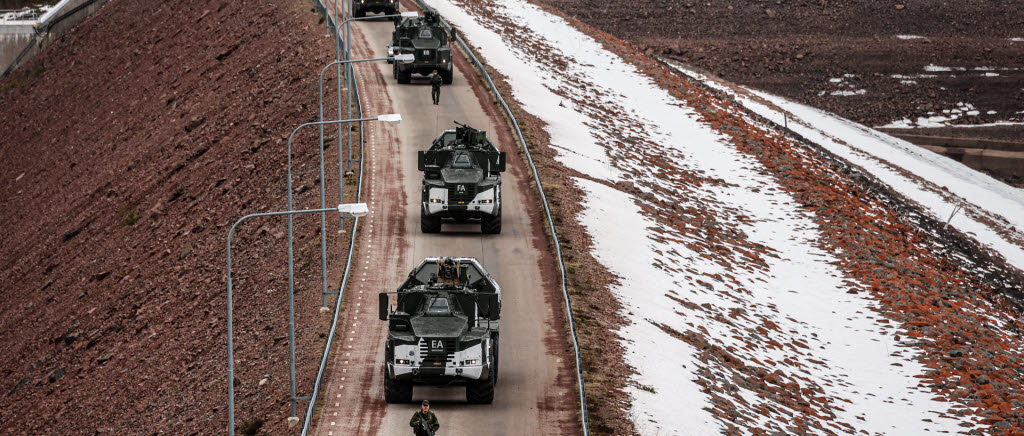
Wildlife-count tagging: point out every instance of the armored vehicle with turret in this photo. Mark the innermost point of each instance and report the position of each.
(427, 40)
(461, 180)
(386, 7)
(442, 330)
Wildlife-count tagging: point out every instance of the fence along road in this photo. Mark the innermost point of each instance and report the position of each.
(536, 393)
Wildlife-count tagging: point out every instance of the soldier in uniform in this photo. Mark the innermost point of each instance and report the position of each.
(435, 86)
(423, 422)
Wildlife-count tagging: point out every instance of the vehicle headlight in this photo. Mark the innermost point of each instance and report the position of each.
(487, 201)
(436, 200)
(403, 362)
(471, 362)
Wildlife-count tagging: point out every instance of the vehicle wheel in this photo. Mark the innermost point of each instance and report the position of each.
(396, 391)
(359, 13)
(430, 224)
(447, 77)
(404, 76)
(394, 70)
(480, 391)
(491, 225)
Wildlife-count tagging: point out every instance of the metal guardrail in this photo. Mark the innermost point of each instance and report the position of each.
(18, 15)
(547, 210)
(325, 357)
(311, 408)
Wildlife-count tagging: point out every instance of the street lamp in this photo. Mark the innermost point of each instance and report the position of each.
(341, 186)
(349, 76)
(357, 210)
(389, 118)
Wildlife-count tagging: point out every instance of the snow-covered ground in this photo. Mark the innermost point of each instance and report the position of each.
(937, 183)
(614, 125)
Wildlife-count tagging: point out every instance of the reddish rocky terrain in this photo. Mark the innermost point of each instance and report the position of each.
(794, 48)
(129, 148)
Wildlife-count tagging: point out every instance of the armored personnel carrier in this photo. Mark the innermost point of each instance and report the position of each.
(461, 180)
(361, 7)
(443, 330)
(426, 39)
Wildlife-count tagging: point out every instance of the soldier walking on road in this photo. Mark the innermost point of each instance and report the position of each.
(435, 86)
(423, 422)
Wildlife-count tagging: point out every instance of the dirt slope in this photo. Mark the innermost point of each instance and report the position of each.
(129, 147)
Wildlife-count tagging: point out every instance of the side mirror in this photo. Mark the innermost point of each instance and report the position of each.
(421, 160)
(495, 307)
(382, 308)
(489, 305)
(454, 35)
(497, 161)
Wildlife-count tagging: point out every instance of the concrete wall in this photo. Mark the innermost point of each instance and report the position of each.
(16, 38)
(11, 45)
(1004, 159)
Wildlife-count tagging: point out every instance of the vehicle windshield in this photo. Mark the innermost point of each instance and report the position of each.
(462, 161)
(426, 34)
(438, 306)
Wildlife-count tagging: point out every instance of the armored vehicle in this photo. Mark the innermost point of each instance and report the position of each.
(461, 180)
(426, 39)
(361, 7)
(443, 330)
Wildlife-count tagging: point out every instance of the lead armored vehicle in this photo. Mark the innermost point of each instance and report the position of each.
(461, 180)
(387, 7)
(426, 39)
(443, 330)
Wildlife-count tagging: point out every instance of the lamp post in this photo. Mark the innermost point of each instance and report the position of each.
(341, 184)
(389, 118)
(350, 80)
(358, 210)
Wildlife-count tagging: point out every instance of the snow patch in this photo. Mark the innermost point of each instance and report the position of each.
(844, 93)
(879, 153)
(665, 381)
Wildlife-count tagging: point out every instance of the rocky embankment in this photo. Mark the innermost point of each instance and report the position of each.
(130, 147)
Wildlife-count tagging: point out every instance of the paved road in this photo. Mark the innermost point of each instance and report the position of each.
(536, 392)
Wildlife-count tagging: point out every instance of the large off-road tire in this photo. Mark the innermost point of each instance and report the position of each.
(480, 391)
(359, 13)
(491, 224)
(396, 391)
(430, 224)
(404, 76)
(447, 76)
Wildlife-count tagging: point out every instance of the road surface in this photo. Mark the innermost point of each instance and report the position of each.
(536, 392)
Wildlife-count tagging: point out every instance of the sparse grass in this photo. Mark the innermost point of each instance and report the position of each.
(38, 70)
(12, 84)
(250, 427)
(128, 213)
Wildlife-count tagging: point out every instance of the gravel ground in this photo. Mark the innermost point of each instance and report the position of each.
(126, 160)
(865, 60)
(937, 290)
